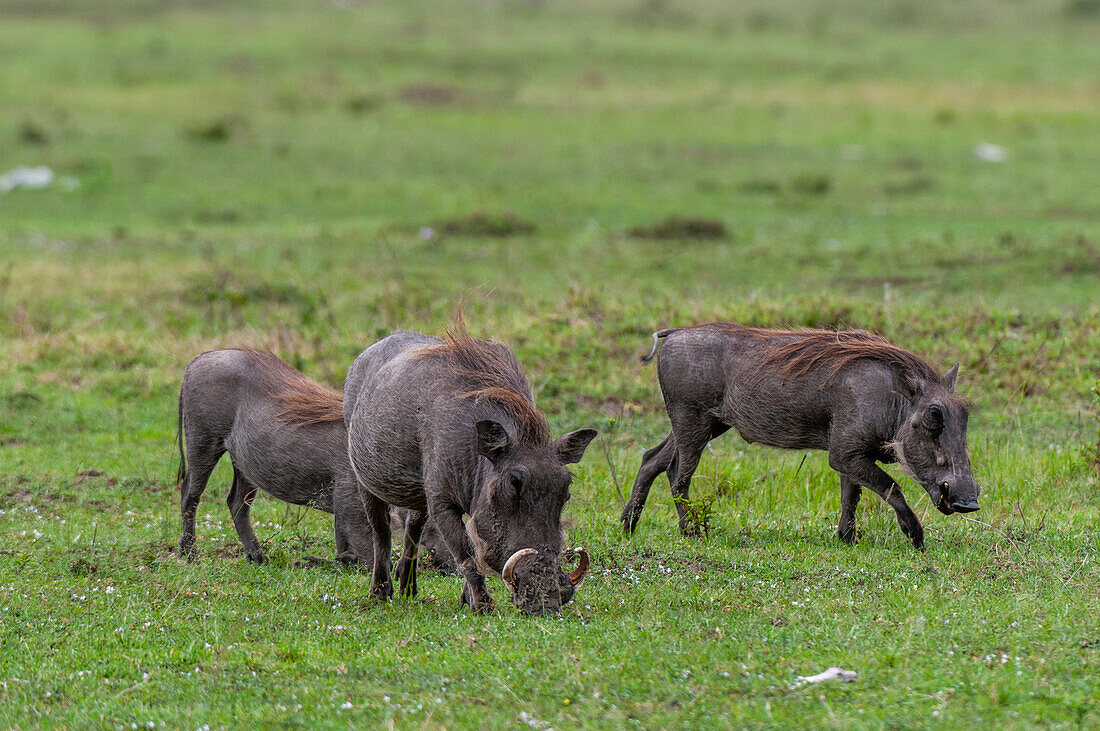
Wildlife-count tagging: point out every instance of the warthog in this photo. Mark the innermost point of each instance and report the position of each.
(284, 433)
(851, 393)
(449, 428)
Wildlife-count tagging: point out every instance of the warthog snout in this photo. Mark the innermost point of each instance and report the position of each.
(538, 585)
(966, 502)
(965, 507)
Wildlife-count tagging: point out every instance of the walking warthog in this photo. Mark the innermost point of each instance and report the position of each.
(852, 393)
(284, 433)
(449, 428)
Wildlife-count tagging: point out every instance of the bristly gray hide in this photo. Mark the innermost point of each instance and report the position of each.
(851, 393)
(449, 428)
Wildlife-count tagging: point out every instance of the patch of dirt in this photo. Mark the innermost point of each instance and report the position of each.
(876, 282)
(909, 186)
(430, 95)
(609, 405)
(226, 550)
(761, 185)
(681, 229)
(89, 473)
(493, 225)
(83, 567)
(1084, 256)
(11, 442)
(811, 184)
(214, 130)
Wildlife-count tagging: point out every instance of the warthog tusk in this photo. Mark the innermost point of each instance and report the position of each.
(508, 573)
(577, 577)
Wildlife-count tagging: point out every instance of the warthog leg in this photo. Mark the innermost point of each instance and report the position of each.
(850, 492)
(378, 514)
(448, 521)
(654, 462)
(239, 501)
(865, 472)
(692, 430)
(354, 544)
(406, 565)
(201, 460)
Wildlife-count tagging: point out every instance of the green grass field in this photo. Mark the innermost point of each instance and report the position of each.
(302, 176)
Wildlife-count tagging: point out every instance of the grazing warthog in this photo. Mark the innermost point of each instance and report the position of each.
(850, 393)
(284, 433)
(449, 428)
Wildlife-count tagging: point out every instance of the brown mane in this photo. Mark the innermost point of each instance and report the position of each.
(305, 402)
(834, 349)
(494, 375)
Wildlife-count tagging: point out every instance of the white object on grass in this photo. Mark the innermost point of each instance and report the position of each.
(988, 152)
(24, 177)
(833, 673)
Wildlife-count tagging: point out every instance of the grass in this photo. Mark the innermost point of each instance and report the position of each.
(262, 173)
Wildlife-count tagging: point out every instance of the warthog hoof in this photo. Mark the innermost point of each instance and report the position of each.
(629, 519)
(382, 590)
(187, 549)
(256, 557)
(406, 577)
(690, 530)
(311, 562)
(477, 599)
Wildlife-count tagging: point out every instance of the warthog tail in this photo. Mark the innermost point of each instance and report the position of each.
(181, 473)
(656, 339)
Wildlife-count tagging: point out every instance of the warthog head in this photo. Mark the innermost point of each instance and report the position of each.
(931, 445)
(515, 515)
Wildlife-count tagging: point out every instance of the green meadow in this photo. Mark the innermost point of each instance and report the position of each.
(310, 176)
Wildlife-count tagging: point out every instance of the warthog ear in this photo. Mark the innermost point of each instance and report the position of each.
(493, 441)
(951, 377)
(570, 447)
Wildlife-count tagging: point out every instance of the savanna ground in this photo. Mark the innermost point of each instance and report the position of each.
(304, 176)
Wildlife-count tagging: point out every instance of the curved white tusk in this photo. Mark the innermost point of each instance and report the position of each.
(508, 573)
(577, 577)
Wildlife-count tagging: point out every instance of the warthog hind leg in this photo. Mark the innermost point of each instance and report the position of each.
(378, 514)
(406, 565)
(201, 460)
(241, 495)
(692, 432)
(654, 462)
(850, 492)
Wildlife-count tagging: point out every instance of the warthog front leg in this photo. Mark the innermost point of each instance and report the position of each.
(850, 492)
(448, 521)
(406, 565)
(867, 473)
